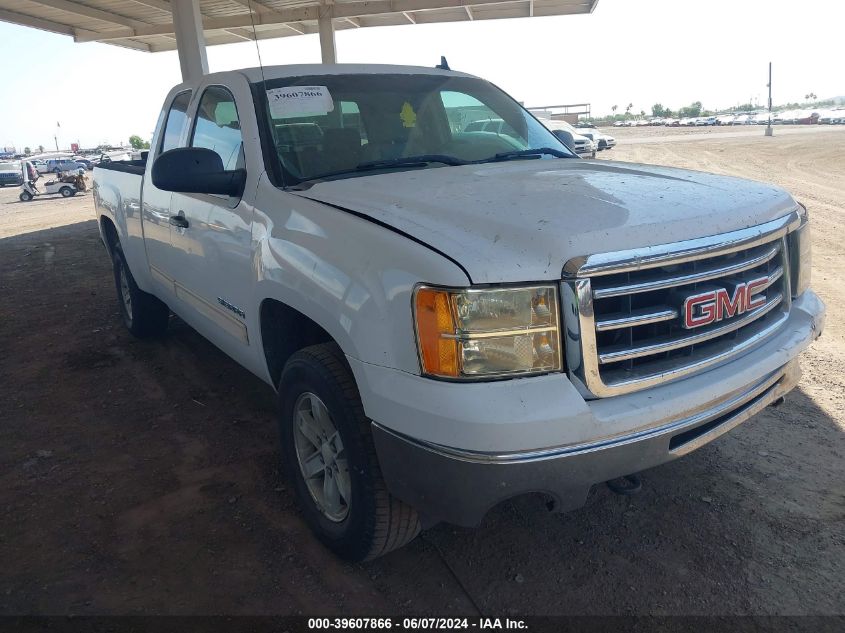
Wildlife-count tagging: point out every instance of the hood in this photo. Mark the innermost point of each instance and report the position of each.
(521, 221)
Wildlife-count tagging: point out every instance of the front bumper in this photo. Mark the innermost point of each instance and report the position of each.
(453, 451)
(460, 486)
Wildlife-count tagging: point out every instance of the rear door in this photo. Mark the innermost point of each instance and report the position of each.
(156, 203)
(212, 248)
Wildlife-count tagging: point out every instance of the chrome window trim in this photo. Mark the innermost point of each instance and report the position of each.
(579, 324)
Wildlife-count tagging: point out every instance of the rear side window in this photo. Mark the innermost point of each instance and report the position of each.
(218, 128)
(177, 120)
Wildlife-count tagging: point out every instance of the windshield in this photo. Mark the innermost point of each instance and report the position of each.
(10, 166)
(326, 126)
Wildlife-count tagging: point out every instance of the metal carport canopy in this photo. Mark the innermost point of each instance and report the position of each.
(190, 25)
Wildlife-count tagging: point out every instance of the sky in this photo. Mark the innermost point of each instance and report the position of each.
(643, 52)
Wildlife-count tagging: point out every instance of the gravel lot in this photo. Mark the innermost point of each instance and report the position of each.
(141, 477)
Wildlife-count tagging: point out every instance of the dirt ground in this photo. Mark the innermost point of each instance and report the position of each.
(142, 477)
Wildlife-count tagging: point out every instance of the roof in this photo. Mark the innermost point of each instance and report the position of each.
(147, 25)
(304, 70)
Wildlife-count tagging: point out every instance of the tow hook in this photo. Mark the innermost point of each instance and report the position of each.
(626, 486)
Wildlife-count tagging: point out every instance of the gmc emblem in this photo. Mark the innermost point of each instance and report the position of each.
(714, 305)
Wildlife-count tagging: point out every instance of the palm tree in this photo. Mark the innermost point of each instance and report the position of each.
(613, 108)
(40, 149)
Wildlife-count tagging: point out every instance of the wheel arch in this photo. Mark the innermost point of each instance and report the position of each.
(108, 233)
(284, 331)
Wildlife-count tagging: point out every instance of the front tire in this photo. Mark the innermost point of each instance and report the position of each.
(143, 314)
(66, 192)
(25, 196)
(328, 453)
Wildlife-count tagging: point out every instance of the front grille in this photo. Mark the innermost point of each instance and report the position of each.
(626, 322)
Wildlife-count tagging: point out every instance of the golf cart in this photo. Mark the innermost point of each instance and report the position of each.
(65, 185)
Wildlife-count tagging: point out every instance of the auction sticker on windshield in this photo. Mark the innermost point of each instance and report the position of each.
(295, 101)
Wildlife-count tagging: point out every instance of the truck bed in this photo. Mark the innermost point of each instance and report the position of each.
(127, 166)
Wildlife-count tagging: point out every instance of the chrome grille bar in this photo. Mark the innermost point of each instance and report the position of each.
(682, 280)
(623, 310)
(636, 318)
(614, 356)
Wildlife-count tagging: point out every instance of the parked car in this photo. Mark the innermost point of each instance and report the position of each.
(581, 144)
(496, 126)
(85, 163)
(741, 119)
(601, 140)
(724, 119)
(56, 166)
(453, 319)
(11, 173)
(672, 122)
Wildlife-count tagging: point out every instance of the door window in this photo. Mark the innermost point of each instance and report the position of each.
(218, 128)
(177, 120)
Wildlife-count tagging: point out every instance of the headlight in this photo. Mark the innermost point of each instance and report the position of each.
(800, 255)
(472, 333)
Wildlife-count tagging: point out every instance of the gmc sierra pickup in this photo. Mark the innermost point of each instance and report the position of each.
(452, 317)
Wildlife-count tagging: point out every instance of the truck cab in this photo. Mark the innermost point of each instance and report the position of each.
(452, 317)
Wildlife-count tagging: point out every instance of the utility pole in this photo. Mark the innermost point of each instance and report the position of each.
(769, 86)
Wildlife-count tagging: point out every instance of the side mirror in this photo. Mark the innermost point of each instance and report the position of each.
(196, 170)
(565, 137)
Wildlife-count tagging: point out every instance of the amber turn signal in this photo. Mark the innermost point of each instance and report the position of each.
(439, 353)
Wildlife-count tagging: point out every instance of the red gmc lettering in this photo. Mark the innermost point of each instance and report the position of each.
(727, 306)
(707, 312)
(714, 305)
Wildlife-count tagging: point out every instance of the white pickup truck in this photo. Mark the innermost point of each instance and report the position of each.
(452, 317)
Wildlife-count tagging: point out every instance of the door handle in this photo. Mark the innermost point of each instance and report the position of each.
(180, 221)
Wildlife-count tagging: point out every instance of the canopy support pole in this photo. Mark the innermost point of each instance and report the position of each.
(327, 43)
(190, 40)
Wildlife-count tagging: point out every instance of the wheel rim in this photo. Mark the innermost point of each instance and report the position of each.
(125, 293)
(321, 457)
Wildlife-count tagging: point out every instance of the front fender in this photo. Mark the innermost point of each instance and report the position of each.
(351, 276)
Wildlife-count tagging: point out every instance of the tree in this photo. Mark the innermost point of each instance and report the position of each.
(613, 108)
(667, 113)
(138, 143)
(642, 113)
(810, 95)
(40, 149)
(692, 110)
(658, 110)
(27, 151)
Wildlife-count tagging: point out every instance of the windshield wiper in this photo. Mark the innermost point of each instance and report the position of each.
(534, 152)
(411, 161)
(402, 161)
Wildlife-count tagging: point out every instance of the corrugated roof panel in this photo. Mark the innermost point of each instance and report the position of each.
(147, 24)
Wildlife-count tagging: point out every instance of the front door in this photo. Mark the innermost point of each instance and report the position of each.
(211, 243)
